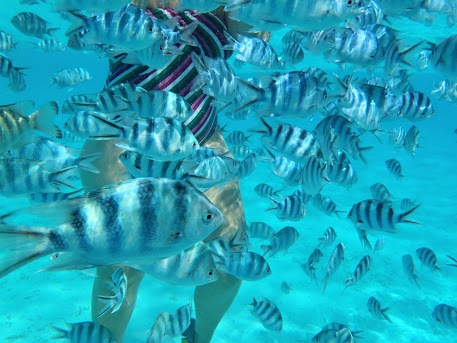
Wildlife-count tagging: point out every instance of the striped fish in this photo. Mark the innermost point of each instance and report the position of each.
(265, 190)
(260, 230)
(88, 124)
(17, 81)
(428, 258)
(8, 70)
(308, 267)
(192, 267)
(286, 169)
(289, 208)
(407, 204)
(70, 77)
(341, 172)
(314, 175)
(328, 238)
(237, 138)
(334, 263)
(214, 171)
(397, 136)
(20, 176)
(242, 151)
(380, 193)
(360, 270)
(179, 321)
(159, 328)
(305, 198)
(342, 335)
(50, 45)
(52, 197)
(118, 286)
(394, 168)
(293, 142)
(409, 269)
(292, 53)
(416, 106)
(142, 166)
(411, 142)
(325, 204)
(376, 215)
(6, 41)
(71, 105)
(282, 240)
(85, 332)
(164, 218)
(285, 287)
(374, 306)
(445, 314)
(138, 31)
(31, 24)
(248, 266)
(247, 166)
(18, 127)
(441, 58)
(267, 313)
(254, 51)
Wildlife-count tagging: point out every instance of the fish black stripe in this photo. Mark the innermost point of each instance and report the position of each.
(148, 215)
(111, 225)
(79, 223)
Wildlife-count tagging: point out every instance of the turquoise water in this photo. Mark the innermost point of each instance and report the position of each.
(31, 302)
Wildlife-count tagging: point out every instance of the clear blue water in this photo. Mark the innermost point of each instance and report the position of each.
(31, 302)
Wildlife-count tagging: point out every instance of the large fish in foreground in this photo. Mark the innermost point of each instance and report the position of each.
(124, 223)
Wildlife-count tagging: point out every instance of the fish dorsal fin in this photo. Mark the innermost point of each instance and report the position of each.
(22, 108)
(374, 93)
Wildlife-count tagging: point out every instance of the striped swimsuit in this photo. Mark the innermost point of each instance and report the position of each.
(179, 74)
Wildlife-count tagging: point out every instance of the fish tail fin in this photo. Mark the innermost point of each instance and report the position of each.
(51, 30)
(385, 315)
(402, 216)
(43, 119)
(60, 177)
(61, 333)
(406, 54)
(109, 302)
(185, 34)
(87, 163)
(22, 245)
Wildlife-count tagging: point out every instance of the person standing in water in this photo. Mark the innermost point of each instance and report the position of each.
(211, 300)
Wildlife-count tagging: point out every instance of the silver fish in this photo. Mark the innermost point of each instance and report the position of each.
(409, 269)
(314, 175)
(282, 240)
(118, 286)
(265, 190)
(325, 204)
(159, 328)
(394, 168)
(334, 263)
(360, 270)
(411, 140)
(248, 266)
(50, 45)
(329, 237)
(214, 171)
(445, 314)
(267, 313)
(31, 24)
(379, 245)
(89, 332)
(260, 230)
(428, 258)
(179, 321)
(289, 208)
(247, 166)
(70, 77)
(285, 287)
(6, 41)
(190, 217)
(374, 306)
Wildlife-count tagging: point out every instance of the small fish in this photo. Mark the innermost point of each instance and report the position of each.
(286, 169)
(267, 313)
(428, 258)
(138, 31)
(260, 230)
(214, 171)
(118, 286)
(89, 332)
(285, 287)
(328, 238)
(265, 190)
(282, 240)
(342, 335)
(379, 245)
(314, 257)
(376, 215)
(289, 208)
(247, 166)
(415, 106)
(334, 263)
(409, 269)
(192, 267)
(179, 321)
(341, 172)
(159, 328)
(411, 140)
(248, 266)
(70, 77)
(14, 74)
(292, 53)
(445, 314)
(314, 175)
(360, 270)
(6, 41)
(50, 45)
(374, 306)
(325, 204)
(380, 193)
(305, 198)
(237, 138)
(31, 24)
(394, 168)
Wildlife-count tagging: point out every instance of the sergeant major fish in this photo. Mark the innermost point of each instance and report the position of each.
(31, 24)
(267, 313)
(360, 270)
(334, 263)
(374, 306)
(127, 223)
(85, 332)
(283, 239)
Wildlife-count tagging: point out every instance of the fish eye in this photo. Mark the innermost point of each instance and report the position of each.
(210, 272)
(349, 2)
(150, 29)
(194, 144)
(208, 217)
